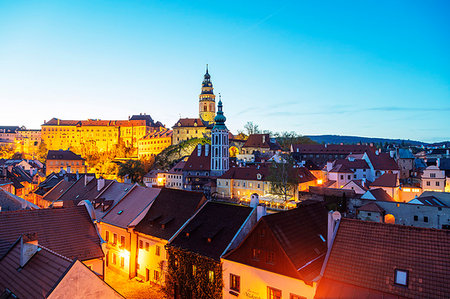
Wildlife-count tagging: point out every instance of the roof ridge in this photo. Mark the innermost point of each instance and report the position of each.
(55, 253)
(410, 227)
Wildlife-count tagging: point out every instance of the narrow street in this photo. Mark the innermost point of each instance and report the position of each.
(132, 289)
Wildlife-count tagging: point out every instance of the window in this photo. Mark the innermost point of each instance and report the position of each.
(437, 183)
(114, 258)
(107, 236)
(416, 218)
(147, 246)
(141, 244)
(401, 277)
(342, 177)
(235, 283)
(157, 250)
(293, 296)
(425, 219)
(122, 240)
(194, 270)
(122, 262)
(349, 176)
(256, 253)
(270, 257)
(428, 183)
(211, 276)
(115, 238)
(156, 275)
(273, 293)
(432, 175)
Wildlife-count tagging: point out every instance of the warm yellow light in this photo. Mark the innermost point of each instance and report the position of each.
(319, 182)
(160, 181)
(124, 253)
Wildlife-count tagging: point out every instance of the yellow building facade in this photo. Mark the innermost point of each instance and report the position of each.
(154, 143)
(93, 135)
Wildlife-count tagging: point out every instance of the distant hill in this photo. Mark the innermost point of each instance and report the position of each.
(356, 139)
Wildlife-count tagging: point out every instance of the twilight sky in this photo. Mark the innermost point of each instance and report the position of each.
(365, 68)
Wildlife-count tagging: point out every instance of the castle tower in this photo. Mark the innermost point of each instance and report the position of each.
(220, 153)
(207, 100)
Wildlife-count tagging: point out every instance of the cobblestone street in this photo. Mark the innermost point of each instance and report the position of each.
(132, 289)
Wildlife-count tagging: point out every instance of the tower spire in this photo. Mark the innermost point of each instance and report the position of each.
(207, 99)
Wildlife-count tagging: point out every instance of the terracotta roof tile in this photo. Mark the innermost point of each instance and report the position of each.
(189, 122)
(386, 180)
(365, 255)
(63, 155)
(261, 141)
(198, 162)
(68, 231)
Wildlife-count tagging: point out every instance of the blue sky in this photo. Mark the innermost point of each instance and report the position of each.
(365, 68)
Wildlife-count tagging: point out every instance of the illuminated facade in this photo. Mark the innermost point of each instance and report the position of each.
(64, 160)
(27, 141)
(207, 100)
(220, 161)
(154, 143)
(94, 134)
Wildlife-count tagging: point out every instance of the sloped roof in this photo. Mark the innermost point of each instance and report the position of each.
(57, 191)
(330, 148)
(189, 122)
(170, 210)
(332, 191)
(386, 180)
(109, 197)
(247, 173)
(165, 133)
(382, 161)
(11, 202)
(371, 207)
(379, 194)
(131, 206)
(198, 162)
(218, 221)
(63, 155)
(68, 231)
(261, 141)
(365, 255)
(80, 191)
(404, 153)
(358, 183)
(347, 166)
(297, 233)
(39, 276)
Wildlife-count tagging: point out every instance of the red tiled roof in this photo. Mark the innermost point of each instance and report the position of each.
(261, 141)
(371, 207)
(218, 221)
(380, 194)
(382, 161)
(386, 180)
(198, 162)
(330, 148)
(68, 231)
(165, 133)
(365, 255)
(247, 173)
(54, 193)
(189, 122)
(39, 276)
(294, 234)
(170, 210)
(63, 155)
(95, 122)
(347, 166)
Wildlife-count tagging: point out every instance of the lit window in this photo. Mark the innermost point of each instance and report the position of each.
(401, 277)
(235, 283)
(194, 270)
(211, 276)
(294, 296)
(141, 244)
(122, 262)
(157, 250)
(273, 293)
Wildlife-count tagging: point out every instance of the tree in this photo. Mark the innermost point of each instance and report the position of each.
(251, 128)
(283, 177)
(286, 139)
(134, 169)
(6, 152)
(42, 152)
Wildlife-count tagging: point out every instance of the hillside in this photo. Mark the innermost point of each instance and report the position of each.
(358, 139)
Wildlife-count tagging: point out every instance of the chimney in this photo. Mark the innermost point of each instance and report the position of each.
(438, 162)
(447, 152)
(58, 121)
(391, 153)
(78, 175)
(254, 200)
(261, 211)
(329, 166)
(326, 145)
(264, 139)
(333, 219)
(88, 178)
(100, 183)
(206, 150)
(199, 150)
(28, 247)
(376, 152)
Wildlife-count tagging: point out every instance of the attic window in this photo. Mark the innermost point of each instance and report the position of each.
(120, 212)
(322, 238)
(401, 277)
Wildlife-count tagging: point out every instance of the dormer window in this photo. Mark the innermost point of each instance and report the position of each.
(120, 212)
(258, 176)
(401, 277)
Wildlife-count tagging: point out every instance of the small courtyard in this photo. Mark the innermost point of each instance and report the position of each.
(134, 288)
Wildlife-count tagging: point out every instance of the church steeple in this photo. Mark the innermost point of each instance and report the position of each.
(207, 99)
(220, 148)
